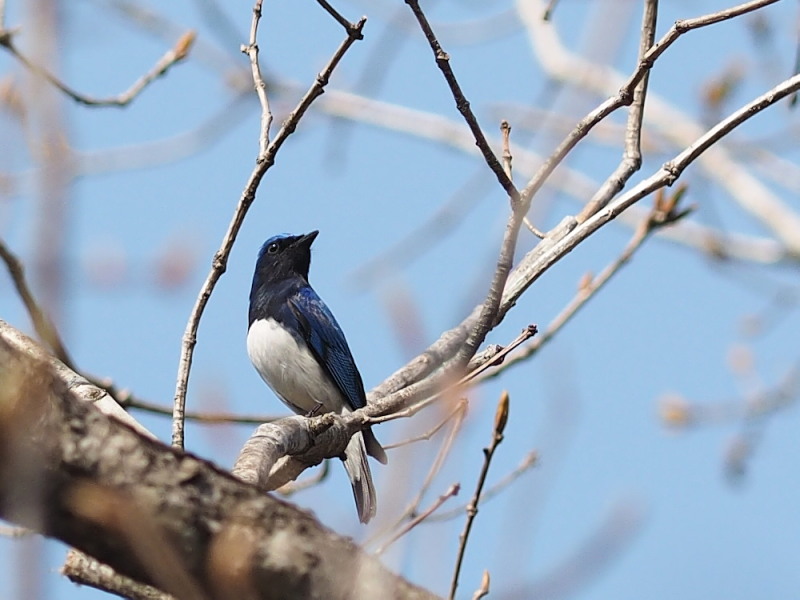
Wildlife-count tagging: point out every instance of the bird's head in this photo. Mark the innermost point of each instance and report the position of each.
(284, 255)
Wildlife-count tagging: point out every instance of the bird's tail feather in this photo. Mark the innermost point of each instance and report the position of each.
(374, 449)
(355, 463)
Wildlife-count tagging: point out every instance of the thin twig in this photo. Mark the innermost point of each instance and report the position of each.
(532, 228)
(684, 26)
(348, 26)
(526, 464)
(495, 359)
(220, 260)
(677, 165)
(500, 420)
(525, 335)
(505, 133)
(460, 407)
(451, 492)
(173, 56)
(251, 49)
(296, 486)
(462, 104)
(410, 511)
(483, 590)
(127, 400)
(42, 324)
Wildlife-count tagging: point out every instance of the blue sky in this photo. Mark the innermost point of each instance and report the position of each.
(669, 322)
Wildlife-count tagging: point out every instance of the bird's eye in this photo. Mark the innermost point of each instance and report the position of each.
(272, 248)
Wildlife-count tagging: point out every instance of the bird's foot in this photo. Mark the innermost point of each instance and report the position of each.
(315, 411)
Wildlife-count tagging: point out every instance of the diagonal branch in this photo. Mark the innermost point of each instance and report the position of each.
(661, 215)
(42, 324)
(519, 205)
(443, 62)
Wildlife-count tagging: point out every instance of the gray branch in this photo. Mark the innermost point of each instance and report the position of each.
(154, 513)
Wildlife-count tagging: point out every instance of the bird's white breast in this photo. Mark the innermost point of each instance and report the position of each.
(290, 369)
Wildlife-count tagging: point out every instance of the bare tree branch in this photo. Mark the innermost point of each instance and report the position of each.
(734, 177)
(500, 420)
(173, 56)
(261, 88)
(450, 493)
(528, 462)
(665, 212)
(42, 324)
(443, 62)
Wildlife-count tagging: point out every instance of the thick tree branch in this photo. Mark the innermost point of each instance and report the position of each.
(155, 513)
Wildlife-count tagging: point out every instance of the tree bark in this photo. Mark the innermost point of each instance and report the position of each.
(158, 515)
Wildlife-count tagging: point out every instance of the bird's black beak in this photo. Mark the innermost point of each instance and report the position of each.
(306, 240)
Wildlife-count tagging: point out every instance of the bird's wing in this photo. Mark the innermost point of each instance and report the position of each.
(326, 340)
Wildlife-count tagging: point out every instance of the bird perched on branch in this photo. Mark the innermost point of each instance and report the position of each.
(298, 348)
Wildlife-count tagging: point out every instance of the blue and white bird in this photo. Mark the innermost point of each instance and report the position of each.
(300, 351)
